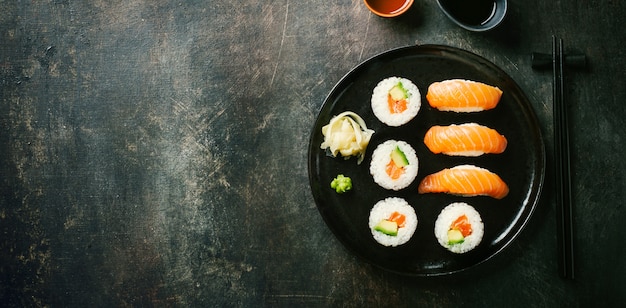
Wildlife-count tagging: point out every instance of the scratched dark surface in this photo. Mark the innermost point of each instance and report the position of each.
(153, 153)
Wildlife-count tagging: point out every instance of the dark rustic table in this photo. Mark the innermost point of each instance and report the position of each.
(154, 153)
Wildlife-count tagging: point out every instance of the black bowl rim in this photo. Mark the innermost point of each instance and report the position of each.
(501, 11)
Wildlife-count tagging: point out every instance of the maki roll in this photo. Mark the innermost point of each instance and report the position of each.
(392, 221)
(394, 165)
(395, 101)
(459, 228)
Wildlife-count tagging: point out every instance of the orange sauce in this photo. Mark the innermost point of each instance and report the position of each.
(388, 6)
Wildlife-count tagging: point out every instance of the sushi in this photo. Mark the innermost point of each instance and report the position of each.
(468, 139)
(392, 221)
(462, 96)
(395, 101)
(459, 227)
(394, 165)
(465, 180)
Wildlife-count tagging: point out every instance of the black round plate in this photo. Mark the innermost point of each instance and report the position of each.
(521, 166)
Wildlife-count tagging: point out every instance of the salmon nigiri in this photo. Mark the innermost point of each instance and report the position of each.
(465, 180)
(469, 139)
(462, 95)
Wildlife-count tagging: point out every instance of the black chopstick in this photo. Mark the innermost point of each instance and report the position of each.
(565, 235)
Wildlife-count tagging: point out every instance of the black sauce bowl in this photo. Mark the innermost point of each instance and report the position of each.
(477, 20)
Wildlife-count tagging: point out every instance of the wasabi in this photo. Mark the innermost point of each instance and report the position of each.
(341, 184)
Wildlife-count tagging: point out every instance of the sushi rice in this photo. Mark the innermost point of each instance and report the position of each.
(382, 210)
(380, 159)
(380, 106)
(445, 219)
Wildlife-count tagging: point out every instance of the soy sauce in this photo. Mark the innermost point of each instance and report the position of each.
(471, 12)
(388, 6)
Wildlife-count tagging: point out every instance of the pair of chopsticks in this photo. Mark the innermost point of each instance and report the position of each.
(565, 235)
(565, 223)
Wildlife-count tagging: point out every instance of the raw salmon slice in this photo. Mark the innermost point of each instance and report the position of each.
(462, 95)
(465, 180)
(469, 139)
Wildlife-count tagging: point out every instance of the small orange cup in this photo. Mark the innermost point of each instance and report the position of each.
(388, 8)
